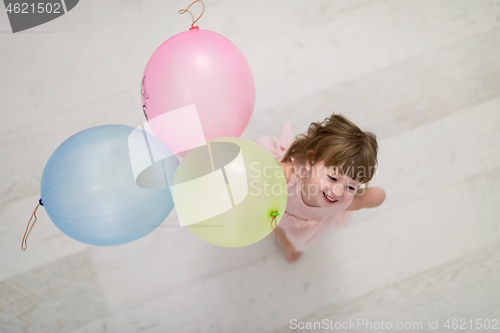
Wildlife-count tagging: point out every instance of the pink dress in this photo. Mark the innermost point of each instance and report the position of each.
(302, 224)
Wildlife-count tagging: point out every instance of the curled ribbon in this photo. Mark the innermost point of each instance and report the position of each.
(274, 214)
(24, 244)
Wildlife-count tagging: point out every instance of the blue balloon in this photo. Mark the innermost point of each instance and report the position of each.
(89, 190)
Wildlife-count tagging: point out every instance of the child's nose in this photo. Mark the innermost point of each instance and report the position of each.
(338, 189)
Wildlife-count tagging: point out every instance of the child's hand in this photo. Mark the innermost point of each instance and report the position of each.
(373, 197)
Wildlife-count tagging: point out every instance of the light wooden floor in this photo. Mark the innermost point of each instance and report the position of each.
(424, 75)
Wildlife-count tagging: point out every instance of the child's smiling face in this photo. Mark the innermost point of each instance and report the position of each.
(327, 187)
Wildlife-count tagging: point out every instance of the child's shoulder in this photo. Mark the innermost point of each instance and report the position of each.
(287, 170)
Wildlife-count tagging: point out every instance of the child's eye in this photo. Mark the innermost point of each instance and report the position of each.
(332, 178)
(351, 188)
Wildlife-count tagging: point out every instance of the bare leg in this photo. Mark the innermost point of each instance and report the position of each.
(291, 254)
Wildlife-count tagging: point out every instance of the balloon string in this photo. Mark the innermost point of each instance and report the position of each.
(274, 214)
(25, 238)
(182, 11)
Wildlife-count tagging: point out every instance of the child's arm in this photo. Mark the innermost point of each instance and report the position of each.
(373, 197)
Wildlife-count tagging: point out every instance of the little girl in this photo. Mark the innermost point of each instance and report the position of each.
(324, 169)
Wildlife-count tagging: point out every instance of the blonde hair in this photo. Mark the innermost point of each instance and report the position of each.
(338, 143)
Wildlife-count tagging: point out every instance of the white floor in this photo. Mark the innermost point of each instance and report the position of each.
(424, 75)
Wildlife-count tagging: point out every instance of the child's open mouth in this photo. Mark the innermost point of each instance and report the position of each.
(329, 199)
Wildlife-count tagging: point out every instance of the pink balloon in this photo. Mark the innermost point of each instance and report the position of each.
(203, 68)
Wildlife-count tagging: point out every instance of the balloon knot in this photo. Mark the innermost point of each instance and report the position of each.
(194, 28)
(40, 202)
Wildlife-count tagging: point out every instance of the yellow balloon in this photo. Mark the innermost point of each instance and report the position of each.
(227, 192)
